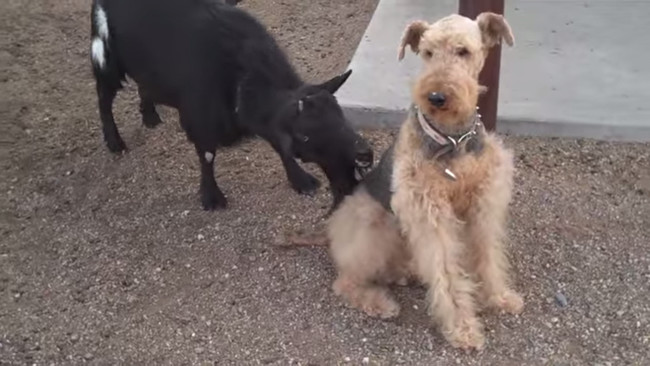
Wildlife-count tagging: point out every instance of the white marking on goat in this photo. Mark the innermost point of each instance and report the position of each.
(97, 51)
(101, 21)
(209, 156)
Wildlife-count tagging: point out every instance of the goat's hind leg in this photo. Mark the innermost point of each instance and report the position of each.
(150, 117)
(106, 91)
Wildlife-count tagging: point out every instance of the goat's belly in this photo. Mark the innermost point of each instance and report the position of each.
(156, 93)
(167, 99)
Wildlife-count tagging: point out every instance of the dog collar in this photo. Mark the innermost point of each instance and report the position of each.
(442, 139)
(448, 143)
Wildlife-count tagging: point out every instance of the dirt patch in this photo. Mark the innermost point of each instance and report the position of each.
(110, 260)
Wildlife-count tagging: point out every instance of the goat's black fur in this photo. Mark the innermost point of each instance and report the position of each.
(228, 78)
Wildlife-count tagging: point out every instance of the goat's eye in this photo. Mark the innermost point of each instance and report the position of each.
(428, 54)
(462, 52)
(305, 138)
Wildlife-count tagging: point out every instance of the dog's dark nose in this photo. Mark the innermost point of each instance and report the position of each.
(437, 99)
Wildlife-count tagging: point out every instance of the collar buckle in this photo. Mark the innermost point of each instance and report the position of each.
(443, 139)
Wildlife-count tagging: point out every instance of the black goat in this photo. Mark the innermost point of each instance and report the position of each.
(228, 78)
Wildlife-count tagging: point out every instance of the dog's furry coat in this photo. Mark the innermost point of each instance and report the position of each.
(408, 219)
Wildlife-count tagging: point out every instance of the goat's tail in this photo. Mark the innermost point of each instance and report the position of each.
(105, 67)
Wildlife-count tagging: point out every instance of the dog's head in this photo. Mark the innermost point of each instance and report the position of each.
(453, 51)
(321, 134)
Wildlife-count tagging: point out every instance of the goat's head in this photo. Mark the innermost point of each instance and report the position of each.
(321, 134)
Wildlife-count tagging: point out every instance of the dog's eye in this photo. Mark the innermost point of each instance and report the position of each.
(462, 52)
(428, 54)
(305, 138)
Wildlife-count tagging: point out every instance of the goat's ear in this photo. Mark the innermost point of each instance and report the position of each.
(411, 37)
(333, 84)
(494, 28)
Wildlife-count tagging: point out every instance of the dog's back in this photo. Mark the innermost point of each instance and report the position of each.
(377, 183)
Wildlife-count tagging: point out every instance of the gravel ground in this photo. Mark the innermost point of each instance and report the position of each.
(110, 260)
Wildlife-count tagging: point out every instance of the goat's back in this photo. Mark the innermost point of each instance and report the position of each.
(168, 46)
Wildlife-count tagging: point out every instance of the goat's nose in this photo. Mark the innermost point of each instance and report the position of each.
(363, 156)
(437, 99)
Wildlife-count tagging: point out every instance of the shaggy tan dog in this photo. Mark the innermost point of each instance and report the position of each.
(435, 207)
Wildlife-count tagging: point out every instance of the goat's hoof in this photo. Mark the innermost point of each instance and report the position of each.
(151, 120)
(116, 145)
(213, 201)
(306, 184)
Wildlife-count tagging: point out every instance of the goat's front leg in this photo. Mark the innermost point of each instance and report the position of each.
(301, 181)
(197, 118)
(211, 195)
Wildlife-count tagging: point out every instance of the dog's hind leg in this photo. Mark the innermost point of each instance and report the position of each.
(367, 249)
(486, 229)
(372, 299)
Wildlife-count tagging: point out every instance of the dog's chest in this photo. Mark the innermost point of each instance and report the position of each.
(472, 172)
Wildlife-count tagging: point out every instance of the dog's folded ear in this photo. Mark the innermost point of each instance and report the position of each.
(411, 37)
(494, 28)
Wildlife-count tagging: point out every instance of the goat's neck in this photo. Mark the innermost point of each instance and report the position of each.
(264, 102)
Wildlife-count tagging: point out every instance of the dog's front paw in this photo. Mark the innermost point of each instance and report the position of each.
(305, 183)
(468, 335)
(508, 301)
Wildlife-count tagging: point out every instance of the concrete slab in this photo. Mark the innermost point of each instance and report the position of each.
(578, 68)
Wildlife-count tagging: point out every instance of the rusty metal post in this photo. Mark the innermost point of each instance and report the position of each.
(490, 75)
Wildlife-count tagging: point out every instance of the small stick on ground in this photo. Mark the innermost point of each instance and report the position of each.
(302, 238)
